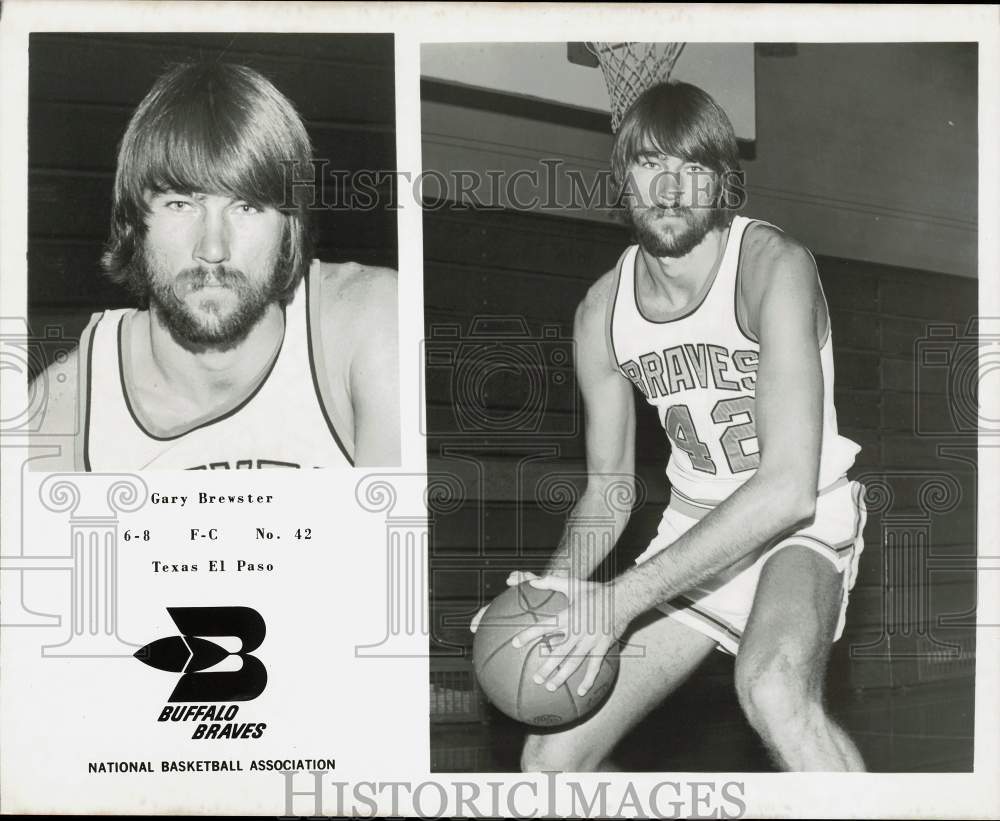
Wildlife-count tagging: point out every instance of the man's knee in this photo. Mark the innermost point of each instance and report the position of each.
(551, 753)
(775, 691)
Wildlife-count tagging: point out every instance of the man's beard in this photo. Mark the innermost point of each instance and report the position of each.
(209, 326)
(677, 239)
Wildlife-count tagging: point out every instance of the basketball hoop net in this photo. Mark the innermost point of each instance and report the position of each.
(630, 68)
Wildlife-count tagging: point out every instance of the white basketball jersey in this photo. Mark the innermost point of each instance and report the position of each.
(699, 370)
(283, 422)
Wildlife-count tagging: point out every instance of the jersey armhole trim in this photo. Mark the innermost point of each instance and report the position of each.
(81, 449)
(609, 319)
(826, 305)
(317, 364)
(736, 290)
(740, 323)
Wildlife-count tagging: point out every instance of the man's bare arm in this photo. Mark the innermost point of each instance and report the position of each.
(374, 373)
(609, 409)
(781, 495)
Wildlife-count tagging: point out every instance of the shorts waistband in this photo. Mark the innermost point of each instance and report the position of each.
(700, 508)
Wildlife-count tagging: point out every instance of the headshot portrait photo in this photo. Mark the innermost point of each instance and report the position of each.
(212, 252)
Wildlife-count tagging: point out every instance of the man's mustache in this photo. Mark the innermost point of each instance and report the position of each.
(653, 211)
(190, 280)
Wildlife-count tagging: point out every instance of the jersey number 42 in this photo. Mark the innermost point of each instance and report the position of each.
(681, 431)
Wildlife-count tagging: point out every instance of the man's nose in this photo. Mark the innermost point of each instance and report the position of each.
(669, 188)
(213, 241)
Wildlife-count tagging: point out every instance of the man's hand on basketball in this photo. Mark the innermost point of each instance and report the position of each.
(514, 579)
(590, 626)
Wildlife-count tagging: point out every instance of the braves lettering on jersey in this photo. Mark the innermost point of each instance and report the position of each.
(283, 422)
(699, 369)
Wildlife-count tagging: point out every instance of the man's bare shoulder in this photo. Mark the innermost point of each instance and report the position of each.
(774, 262)
(768, 250)
(356, 288)
(359, 310)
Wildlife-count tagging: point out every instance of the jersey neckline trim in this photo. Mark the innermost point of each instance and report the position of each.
(706, 288)
(207, 422)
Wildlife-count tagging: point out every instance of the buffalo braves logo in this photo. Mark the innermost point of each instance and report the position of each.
(191, 655)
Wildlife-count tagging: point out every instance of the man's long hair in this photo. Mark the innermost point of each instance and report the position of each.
(215, 128)
(680, 120)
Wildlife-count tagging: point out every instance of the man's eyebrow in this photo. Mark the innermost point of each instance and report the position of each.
(156, 193)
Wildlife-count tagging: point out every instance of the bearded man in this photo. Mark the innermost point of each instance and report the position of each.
(718, 321)
(244, 351)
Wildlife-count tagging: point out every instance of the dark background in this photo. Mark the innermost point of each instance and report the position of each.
(907, 707)
(84, 87)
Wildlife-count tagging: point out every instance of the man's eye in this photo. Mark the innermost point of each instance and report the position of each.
(178, 205)
(247, 208)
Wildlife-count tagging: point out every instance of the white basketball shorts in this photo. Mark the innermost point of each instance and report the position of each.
(721, 611)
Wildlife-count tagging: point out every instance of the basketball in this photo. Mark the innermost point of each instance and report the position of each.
(505, 672)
